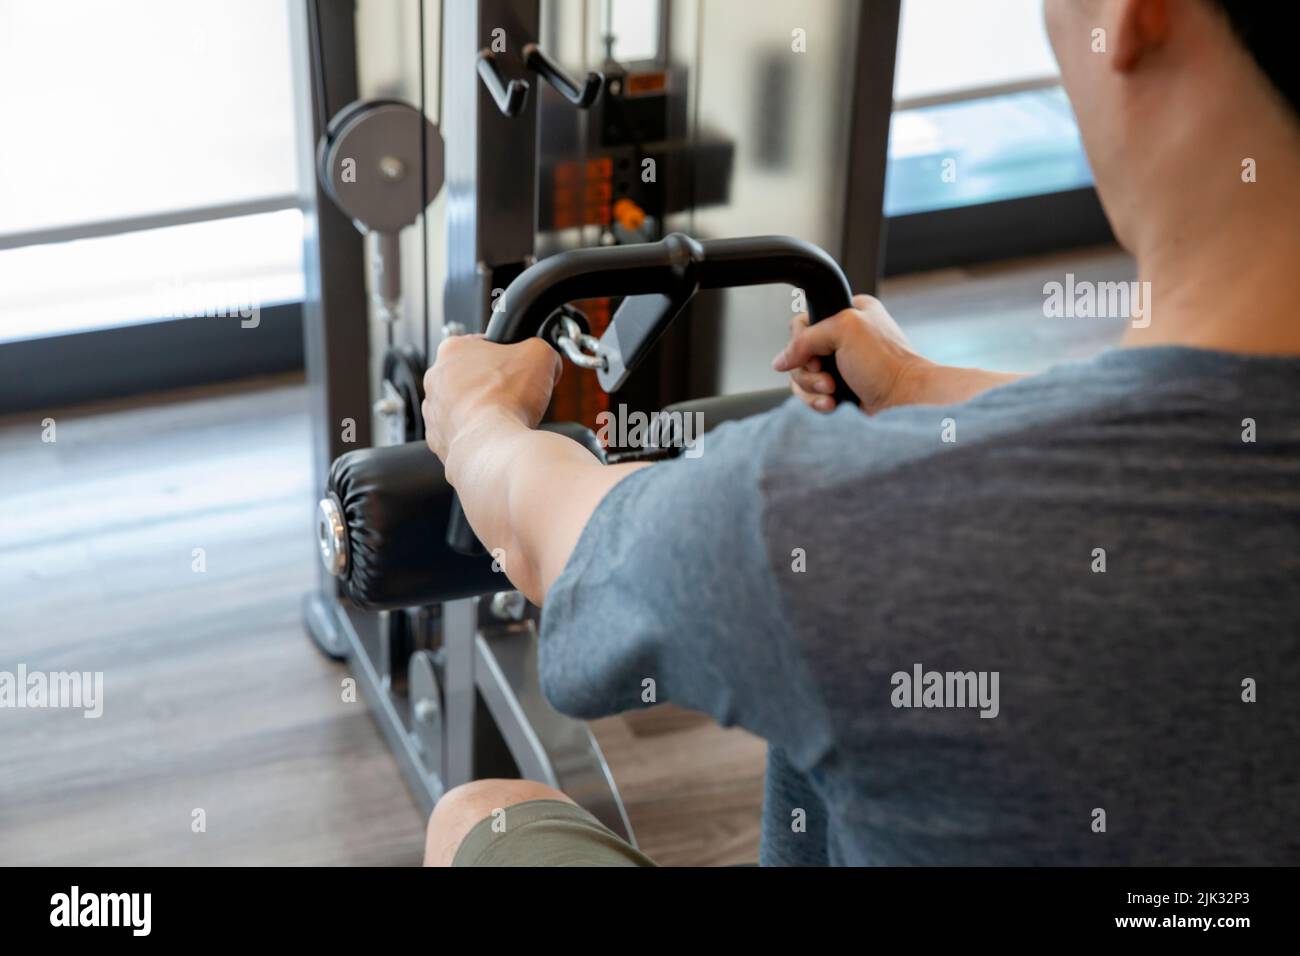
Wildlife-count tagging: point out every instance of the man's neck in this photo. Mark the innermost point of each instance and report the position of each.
(1241, 295)
(1223, 263)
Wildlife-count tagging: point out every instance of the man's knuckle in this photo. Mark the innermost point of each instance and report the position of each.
(537, 350)
(835, 324)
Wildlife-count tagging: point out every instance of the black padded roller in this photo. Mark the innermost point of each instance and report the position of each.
(395, 503)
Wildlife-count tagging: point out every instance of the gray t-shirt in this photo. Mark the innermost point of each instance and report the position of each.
(1056, 624)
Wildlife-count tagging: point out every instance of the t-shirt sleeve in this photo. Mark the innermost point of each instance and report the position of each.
(669, 595)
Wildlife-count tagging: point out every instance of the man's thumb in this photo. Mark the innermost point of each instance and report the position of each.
(823, 338)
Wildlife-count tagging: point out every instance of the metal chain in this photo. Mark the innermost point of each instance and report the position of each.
(581, 349)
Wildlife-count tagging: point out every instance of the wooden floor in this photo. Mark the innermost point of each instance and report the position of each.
(214, 698)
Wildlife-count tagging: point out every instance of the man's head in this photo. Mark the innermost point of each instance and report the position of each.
(1172, 96)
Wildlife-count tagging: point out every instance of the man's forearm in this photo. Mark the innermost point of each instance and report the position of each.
(928, 383)
(527, 494)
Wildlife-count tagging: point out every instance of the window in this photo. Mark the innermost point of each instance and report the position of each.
(204, 269)
(982, 151)
(151, 168)
(632, 27)
(979, 112)
(953, 46)
(983, 144)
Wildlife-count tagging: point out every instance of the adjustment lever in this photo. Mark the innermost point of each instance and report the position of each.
(536, 59)
(509, 97)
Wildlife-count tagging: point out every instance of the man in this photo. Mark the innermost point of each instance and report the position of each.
(1049, 620)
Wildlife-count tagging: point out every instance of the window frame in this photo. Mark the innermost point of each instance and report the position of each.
(1006, 229)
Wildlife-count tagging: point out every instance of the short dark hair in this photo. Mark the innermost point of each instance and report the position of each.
(1261, 27)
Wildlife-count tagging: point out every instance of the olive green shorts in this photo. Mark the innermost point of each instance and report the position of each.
(545, 833)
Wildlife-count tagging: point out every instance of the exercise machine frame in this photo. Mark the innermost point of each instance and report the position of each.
(454, 688)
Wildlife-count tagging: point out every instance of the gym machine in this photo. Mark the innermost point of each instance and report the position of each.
(549, 230)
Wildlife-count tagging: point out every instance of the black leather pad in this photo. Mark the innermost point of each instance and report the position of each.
(729, 408)
(396, 503)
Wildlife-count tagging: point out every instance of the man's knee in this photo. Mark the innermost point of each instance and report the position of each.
(462, 807)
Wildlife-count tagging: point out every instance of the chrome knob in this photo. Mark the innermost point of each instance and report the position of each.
(332, 536)
(508, 606)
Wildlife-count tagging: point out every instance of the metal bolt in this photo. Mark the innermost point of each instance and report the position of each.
(508, 605)
(388, 310)
(391, 167)
(389, 407)
(426, 709)
(332, 536)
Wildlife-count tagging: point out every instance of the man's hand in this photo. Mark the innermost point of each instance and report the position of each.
(876, 361)
(472, 379)
(872, 354)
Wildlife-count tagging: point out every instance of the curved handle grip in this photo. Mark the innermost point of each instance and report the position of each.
(509, 97)
(676, 267)
(676, 264)
(767, 259)
(536, 59)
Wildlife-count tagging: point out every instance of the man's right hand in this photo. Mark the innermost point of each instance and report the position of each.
(870, 350)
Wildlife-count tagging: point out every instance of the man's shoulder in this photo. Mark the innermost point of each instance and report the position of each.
(847, 446)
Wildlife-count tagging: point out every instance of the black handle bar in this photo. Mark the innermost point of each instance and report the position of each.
(658, 279)
(537, 60)
(674, 263)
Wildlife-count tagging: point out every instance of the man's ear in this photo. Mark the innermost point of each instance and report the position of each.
(1140, 26)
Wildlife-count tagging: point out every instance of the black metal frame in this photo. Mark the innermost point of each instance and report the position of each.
(123, 360)
(486, 250)
(453, 687)
(336, 332)
(868, 153)
(965, 235)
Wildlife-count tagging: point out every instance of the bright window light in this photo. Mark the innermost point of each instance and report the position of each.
(990, 122)
(195, 270)
(131, 109)
(946, 46)
(634, 25)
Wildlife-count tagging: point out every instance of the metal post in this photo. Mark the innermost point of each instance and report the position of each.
(861, 252)
(335, 326)
(491, 161)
